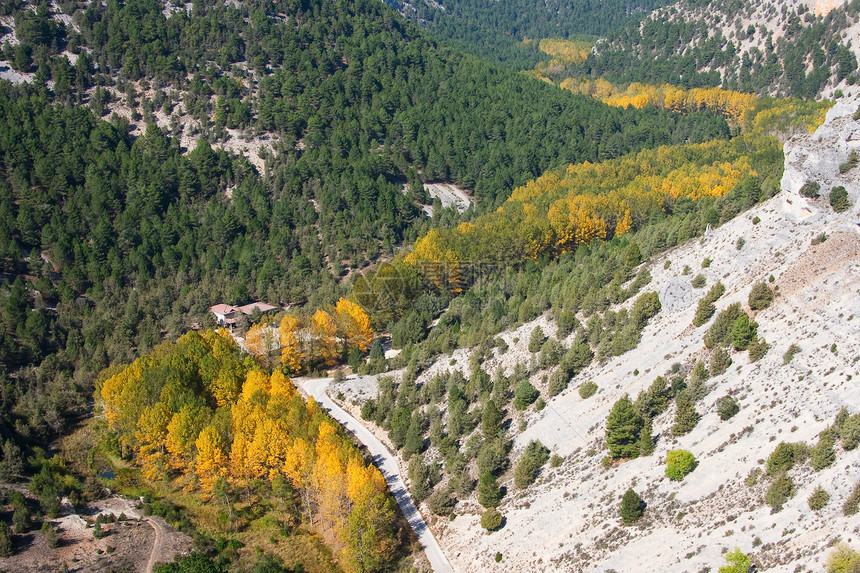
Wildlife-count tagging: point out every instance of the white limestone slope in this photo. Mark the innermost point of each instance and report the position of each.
(569, 520)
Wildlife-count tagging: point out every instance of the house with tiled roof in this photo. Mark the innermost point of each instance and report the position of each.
(226, 314)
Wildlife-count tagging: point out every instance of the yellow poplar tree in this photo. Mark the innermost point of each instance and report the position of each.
(182, 432)
(292, 357)
(353, 325)
(211, 462)
(323, 330)
(151, 436)
(262, 342)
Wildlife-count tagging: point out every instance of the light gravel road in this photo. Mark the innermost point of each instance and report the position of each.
(387, 464)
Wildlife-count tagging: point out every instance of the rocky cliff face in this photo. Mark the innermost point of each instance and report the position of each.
(816, 158)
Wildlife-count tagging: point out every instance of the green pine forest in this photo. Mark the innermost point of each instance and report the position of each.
(115, 238)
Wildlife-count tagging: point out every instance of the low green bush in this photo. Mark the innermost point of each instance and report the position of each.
(727, 406)
(839, 199)
(679, 463)
(491, 520)
(587, 389)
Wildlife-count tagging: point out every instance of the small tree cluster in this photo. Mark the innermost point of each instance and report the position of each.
(534, 456)
(423, 477)
(757, 349)
(442, 501)
(785, 456)
(652, 402)
(850, 163)
(822, 454)
(720, 332)
(810, 190)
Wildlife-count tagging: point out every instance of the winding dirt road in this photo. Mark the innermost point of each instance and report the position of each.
(387, 464)
(131, 511)
(156, 544)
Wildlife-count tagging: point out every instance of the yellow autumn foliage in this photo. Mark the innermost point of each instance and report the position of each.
(176, 429)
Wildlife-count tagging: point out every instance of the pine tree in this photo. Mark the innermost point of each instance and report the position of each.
(743, 332)
(414, 438)
(822, 454)
(489, 492)
(537, 338)
(632, 507)
(420, 478)
(5, 540)
(686, 416)
(50, 535)
(491, 420)
(818, 499)
(646, 440)
(12, 465)
(623, 427)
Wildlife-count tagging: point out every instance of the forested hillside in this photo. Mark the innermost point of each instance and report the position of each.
(157, 159)
(123, 218)
(746, 46)
(113, 241)
(496, 30)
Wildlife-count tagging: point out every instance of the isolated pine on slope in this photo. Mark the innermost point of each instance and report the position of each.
(631, 507)
(623, 427)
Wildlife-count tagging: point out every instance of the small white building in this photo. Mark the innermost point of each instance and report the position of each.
(225, 314)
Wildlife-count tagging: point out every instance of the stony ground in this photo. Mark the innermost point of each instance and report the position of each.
(135, 544)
